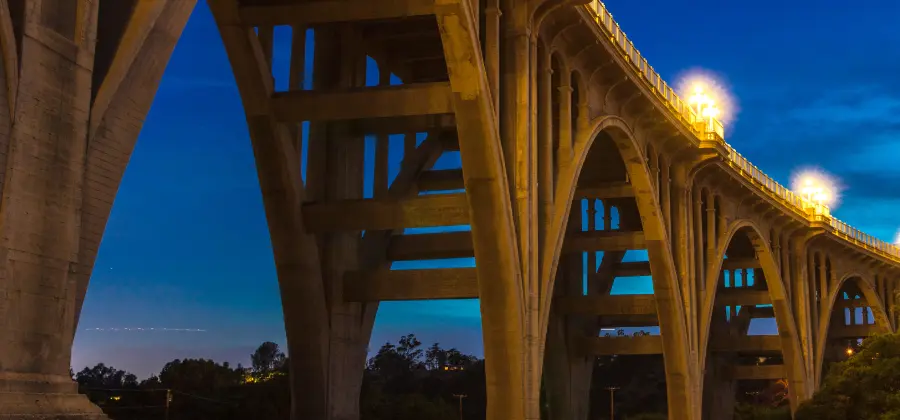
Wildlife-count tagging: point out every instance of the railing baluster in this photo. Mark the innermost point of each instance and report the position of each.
(743, 166)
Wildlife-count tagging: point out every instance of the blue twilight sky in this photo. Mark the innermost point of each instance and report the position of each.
(816, 83)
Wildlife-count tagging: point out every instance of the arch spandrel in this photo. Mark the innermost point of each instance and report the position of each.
(680, 371)
(781, 306)
(866, 285)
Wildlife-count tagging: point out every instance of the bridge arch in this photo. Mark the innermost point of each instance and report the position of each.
(866, 286)
(679, 369)
(784, 317)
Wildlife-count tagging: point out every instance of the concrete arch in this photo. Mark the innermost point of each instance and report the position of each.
(878, 310)
(681, 376)
(558, 58)
(781, 306)
(580, 82)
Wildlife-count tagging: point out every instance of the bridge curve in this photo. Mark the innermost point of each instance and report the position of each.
(523, 147)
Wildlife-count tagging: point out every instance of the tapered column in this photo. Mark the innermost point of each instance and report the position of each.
(679, 228)
(520, 150)
(565, 117)
(547, 165)
(720, 389)
(567, 374)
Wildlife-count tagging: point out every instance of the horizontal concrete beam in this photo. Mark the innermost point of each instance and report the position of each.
(728, 296)
(406, 124)
(385, 285)
(622, 321)
(452, 179)
(760, 311)
(760, 372)
(633, 269)
(740, 263)
(370, 214)
(838, 331)
(361, 103)
(604, 240)
(430, 246)
(607, 305)
(458, 244)
(608, 346)
(327, 11)
(441, 180)
(747, 343)
(605, 190)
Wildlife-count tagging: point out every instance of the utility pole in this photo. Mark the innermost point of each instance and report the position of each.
(612, 401)
(168, 402)
(460, 396)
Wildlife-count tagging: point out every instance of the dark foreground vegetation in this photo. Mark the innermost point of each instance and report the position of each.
(406, 381)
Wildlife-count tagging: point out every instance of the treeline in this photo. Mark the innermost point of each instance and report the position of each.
(402, 381)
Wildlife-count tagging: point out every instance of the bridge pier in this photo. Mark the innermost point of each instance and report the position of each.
(71, 108)
(720, 388)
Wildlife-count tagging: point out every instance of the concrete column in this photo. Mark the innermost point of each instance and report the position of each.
(567, 374)
(492, 50)
(823, 279)
(679, 227)
(720, 390)
(666, 199)
(804, 311)
(698, 250)
(565, 117)
(520, 149)
(711, 221)
(547, 163)
(42, 210)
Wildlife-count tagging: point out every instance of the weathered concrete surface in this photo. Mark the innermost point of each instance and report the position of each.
(71, 112)
(545, 109)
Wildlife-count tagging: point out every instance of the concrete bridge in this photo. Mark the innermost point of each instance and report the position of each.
(574, 152)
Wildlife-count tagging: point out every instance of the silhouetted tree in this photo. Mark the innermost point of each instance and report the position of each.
(105, 377)
(267, 359)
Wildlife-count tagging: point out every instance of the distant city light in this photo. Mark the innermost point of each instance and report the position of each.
(817, 186)
(707, 94)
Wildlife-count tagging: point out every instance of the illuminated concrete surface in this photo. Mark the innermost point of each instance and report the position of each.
(571, 146)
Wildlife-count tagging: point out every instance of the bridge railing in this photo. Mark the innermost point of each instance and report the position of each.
(815, 212)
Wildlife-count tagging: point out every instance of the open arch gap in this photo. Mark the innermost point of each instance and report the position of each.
(679, 370)
(784, 318)
(872, 300)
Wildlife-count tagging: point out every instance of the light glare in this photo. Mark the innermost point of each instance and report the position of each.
(706, 92)
(817, 186)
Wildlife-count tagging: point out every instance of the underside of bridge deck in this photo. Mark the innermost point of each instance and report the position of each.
(576, 180)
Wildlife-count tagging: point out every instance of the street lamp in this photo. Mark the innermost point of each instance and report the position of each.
(818, 188)
(849, 351)
(704, 104)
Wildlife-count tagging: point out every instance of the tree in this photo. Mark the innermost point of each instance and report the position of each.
(105, 377)
(267, 359)
(865, 386)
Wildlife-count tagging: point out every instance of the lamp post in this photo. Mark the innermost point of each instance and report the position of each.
(612, 403)
(460, 396)
(705, 106)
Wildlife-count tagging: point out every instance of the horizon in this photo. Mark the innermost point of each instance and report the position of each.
(187, 245)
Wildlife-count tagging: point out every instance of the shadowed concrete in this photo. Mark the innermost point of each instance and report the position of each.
(574, 152)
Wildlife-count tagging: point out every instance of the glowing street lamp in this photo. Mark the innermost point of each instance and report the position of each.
(849, 351)
(705, 106)
(818, 188)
